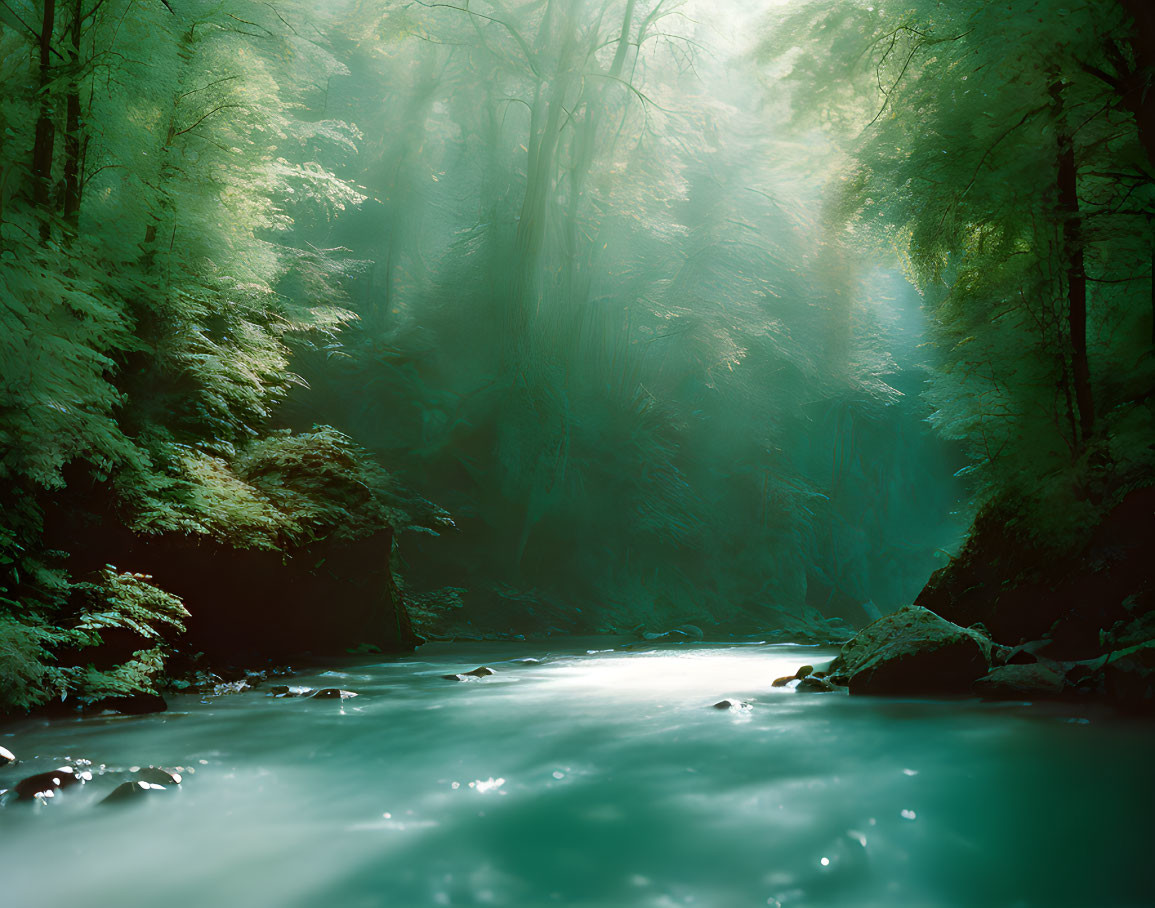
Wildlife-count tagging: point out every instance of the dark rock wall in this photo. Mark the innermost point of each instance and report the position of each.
(1021, 590)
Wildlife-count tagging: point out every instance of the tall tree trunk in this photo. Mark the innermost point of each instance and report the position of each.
(72, 136)
(1072, 225)
(542, 144)
(1135, 90)
(577, 265)
(45, 127)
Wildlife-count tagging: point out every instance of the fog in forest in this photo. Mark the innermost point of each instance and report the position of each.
(608, 323)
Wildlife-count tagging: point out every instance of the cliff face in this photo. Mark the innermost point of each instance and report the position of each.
(1099, 595)
(245, 604)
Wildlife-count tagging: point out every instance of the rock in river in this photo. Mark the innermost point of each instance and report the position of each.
(482, 672)
(812, 685)
(803, 672)
(154, 775)
(912, 652)
(732, 704)
(332, 693)
(127, 792)
(6, 756)
(283, 690)
(46, 784)
(137, 704)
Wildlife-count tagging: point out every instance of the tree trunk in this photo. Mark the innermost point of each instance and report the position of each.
(72, 137)
(45, 128)
(1136, 95)
(1072, 225)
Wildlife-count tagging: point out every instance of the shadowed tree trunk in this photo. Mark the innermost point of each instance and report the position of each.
(1075, 270)
(45, 128)
(72, 131)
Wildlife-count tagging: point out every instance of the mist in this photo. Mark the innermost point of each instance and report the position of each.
(607, 322)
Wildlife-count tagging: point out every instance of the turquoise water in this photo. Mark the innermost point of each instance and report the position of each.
(591, 779)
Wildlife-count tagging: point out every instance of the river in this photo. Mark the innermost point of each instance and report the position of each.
(595, 777)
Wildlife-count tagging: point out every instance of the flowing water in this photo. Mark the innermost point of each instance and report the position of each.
(589, 779)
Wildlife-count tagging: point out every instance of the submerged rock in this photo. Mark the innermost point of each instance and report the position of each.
(154, 775)
(1017, 681)
(46, 784)
(813, 685)
(6, 756)
(680, 634)
(230, 687)
(127, 792)
(283, 690)
(483, 671)
(333, 693)
(732, 704)
(137, 704)
(912, 651)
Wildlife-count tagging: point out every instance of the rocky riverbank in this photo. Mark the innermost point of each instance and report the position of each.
(915, 652)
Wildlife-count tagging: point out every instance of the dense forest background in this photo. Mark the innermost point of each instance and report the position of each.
(571, 315)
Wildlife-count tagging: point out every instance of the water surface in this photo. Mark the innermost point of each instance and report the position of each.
(590, 779)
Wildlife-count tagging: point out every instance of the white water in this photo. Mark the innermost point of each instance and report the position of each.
(598, 779)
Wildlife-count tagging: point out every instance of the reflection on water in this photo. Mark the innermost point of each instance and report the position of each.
(600, 779)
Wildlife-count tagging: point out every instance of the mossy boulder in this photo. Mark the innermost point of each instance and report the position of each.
(1020, 682)
(912, 652)
(1128, 676)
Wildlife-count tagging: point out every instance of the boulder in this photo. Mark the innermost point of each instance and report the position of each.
(333, 693)
(154, 775)
(803, 672)
(732, 704)
(1129, 676)
(46, 784)
(1018, 681)
(912, 651)
(6, 756)
(126, 792)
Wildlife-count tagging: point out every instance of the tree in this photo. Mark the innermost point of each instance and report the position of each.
(986, 147)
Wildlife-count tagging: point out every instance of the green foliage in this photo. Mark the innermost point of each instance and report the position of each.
(146, 330)
(949, 123)
(25, 663)
(124, 601)
(140, 674)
